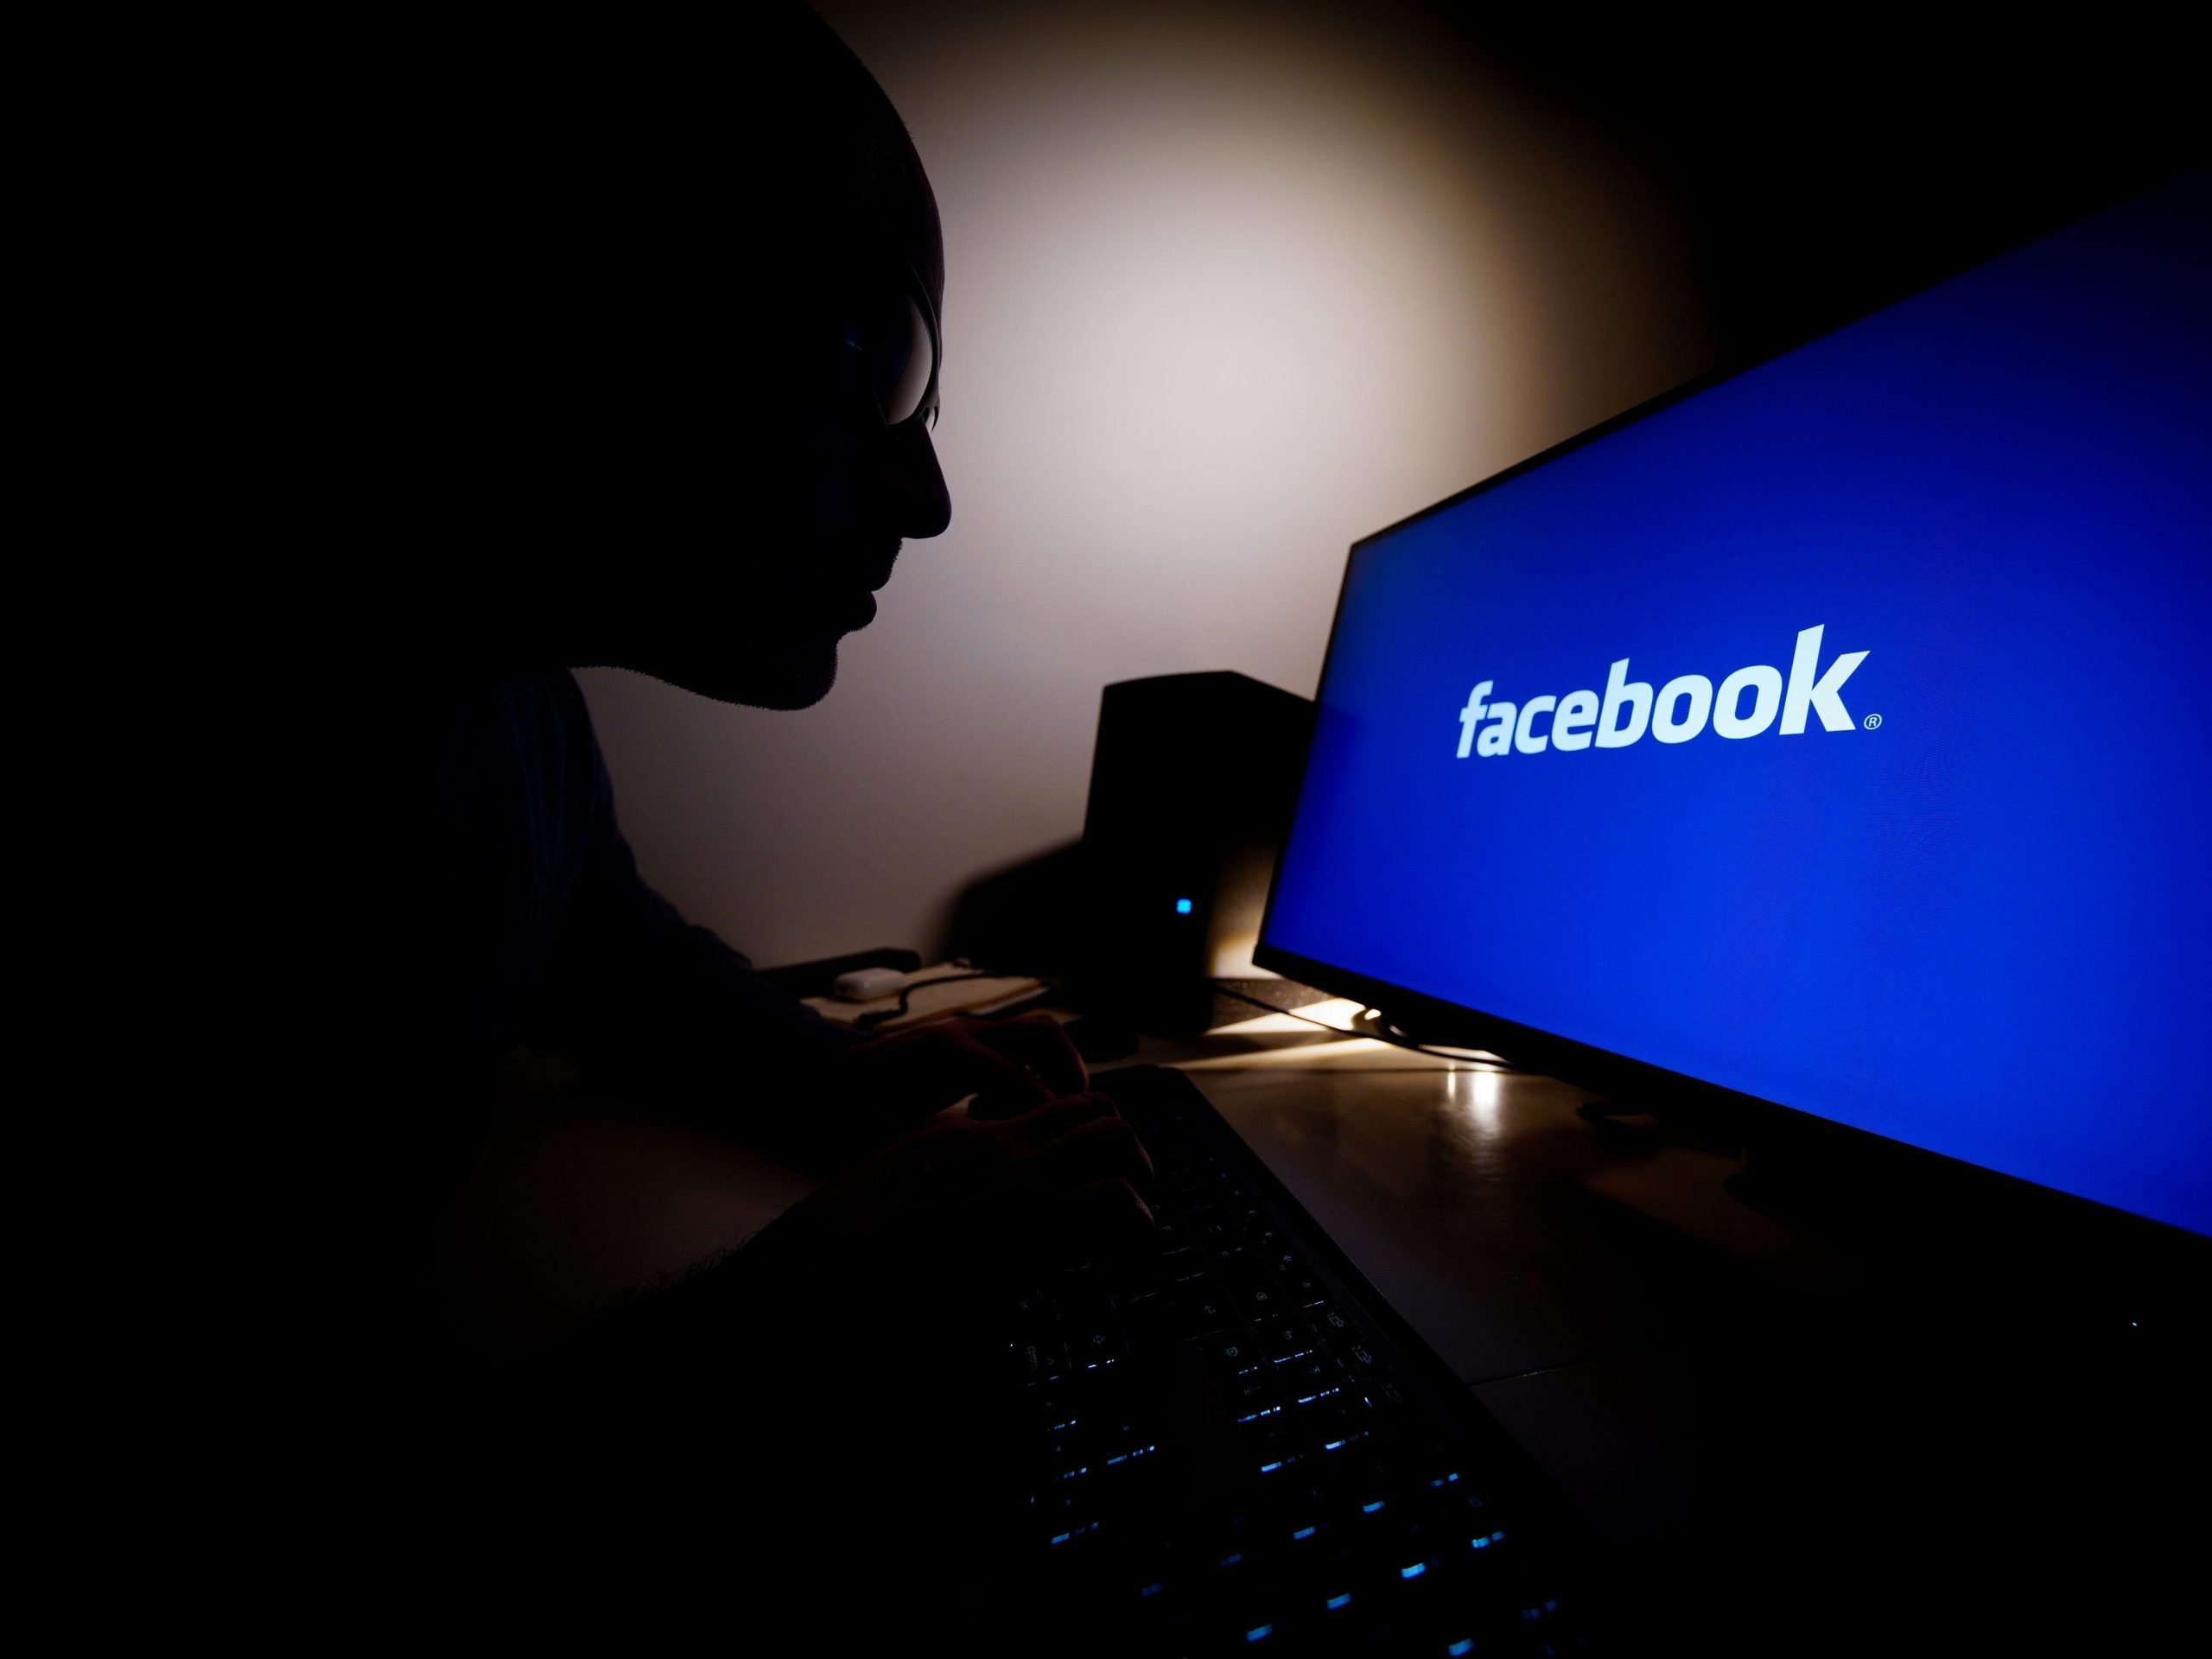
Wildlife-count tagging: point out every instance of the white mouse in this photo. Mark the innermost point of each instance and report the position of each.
(866, 984)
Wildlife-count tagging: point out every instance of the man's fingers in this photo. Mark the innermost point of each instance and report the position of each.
(1050, 1122)
(958, 1065)
(1113, 1211)
(1041, 1045)
(1105, 1148)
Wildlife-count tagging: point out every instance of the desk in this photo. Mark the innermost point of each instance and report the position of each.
(1784, 1448)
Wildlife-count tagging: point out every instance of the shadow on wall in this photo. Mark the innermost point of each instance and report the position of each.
(1018, 918)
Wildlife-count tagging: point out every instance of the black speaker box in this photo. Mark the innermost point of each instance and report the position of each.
(1191, 787)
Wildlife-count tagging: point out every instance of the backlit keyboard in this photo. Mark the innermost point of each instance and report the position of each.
(1238, 1447)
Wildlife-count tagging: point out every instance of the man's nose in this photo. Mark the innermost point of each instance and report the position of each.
(920, 505)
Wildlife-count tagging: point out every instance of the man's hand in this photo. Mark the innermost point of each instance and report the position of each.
(882, 1089)
(967, 1200)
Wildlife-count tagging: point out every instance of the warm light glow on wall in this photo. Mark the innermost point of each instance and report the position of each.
(1224, 293)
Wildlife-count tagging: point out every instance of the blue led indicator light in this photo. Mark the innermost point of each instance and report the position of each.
(1414, 1571)
(1260, 1635)
(1336, 1602)
(1303, 1532)
(1458, 1648)
(1183, 908)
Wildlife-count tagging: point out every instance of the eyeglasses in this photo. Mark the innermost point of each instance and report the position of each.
(898, 348)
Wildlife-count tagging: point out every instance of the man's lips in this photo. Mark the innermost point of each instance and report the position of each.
(883, 568)
(859, 561)
(843, 576)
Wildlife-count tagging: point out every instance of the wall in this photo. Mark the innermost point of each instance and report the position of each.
(1224, 293)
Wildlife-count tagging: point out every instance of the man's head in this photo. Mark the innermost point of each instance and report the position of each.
(847, 264)
(673, 278)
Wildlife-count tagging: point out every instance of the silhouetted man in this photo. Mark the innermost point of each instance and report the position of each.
(640, 370)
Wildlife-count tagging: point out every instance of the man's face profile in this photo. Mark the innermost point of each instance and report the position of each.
(836, 486)
(642, 338)
(830, 479)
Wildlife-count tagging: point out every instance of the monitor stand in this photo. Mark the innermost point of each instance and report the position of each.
(1384, 1028)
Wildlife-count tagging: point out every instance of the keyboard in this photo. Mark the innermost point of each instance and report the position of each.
(1235, 1446)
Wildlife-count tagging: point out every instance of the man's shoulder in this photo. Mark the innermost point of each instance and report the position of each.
(553, 729)
(446, 760)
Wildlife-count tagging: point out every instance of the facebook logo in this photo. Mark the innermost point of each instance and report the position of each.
(1745, 705)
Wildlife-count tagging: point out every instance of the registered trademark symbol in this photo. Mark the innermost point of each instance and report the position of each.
(1873, 721)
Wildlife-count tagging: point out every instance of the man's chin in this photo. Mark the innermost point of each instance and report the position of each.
(798, 677)
(800, 681)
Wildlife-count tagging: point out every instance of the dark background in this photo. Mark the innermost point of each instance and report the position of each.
(1825, 164)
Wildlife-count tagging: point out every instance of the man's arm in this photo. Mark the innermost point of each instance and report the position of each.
(657, 1009)
(662, 1012)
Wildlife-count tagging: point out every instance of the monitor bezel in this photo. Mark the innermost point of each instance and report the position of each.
(1805, 1140)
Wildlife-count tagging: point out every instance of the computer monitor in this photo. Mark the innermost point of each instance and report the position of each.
(1832, 740)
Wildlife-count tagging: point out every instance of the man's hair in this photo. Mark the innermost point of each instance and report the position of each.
(761, 140)
(850, 148)
(521, 217)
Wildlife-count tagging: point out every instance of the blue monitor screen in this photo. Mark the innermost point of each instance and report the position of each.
(1839, 734)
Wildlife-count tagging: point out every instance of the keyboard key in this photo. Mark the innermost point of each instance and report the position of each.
(1052, 1409)
(1219, 1445)
(1255, 1293)
(1332, 1322)
(1097, 1345)
(1308, 1371)
(1202, 1306)
(1254, 1394)
(1034, 1308)
(1039, 1360)
(1332, 1420)
(1235, 1355)
(1268, 1435)
(1263, 1303)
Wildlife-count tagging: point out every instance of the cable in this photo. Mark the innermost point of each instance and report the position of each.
(1379, 1032)
(876, 1017)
